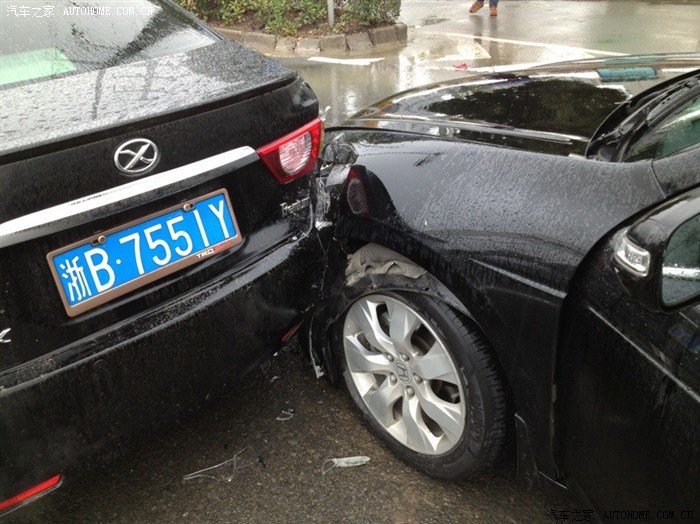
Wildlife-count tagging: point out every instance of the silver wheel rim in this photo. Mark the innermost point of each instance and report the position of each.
(404, 374)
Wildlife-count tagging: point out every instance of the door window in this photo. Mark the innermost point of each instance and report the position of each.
(681, 265)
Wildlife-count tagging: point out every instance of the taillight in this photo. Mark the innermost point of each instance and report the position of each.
(32, 493)
(294, 155)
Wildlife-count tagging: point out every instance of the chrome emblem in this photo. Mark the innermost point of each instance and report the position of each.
(402, 372)
(136, 157)
(3, 334)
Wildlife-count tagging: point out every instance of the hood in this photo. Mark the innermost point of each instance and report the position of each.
(83, 105)
(551, 109)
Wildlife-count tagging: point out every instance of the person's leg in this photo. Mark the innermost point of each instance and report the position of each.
(493, 7)
(476, 6)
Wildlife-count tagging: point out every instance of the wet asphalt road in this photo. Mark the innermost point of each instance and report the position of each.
(147, 486)
(442, 34)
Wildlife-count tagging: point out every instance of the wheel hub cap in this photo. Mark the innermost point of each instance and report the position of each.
(404, 374)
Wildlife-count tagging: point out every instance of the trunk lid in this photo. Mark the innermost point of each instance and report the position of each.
(552, 109)
(58, 143)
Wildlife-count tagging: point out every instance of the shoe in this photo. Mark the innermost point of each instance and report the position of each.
(493, 9)
(476, 6)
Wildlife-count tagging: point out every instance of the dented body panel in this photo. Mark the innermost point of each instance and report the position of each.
(501, 252)
(95, 398)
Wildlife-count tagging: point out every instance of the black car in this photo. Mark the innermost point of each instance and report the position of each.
(155, 226)
(523, 258)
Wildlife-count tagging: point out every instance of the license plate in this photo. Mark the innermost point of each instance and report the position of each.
(96, 270)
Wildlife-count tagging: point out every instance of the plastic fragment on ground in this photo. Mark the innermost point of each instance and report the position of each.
(225, 471)
(343, 462)
(286, 414)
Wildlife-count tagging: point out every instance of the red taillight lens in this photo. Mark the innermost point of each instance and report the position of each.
(26, 496)
(294, 155)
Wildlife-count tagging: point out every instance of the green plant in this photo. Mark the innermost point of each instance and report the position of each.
(205, 9)
(368, 13)
(232, 12)
(310, 11)
(287, 17)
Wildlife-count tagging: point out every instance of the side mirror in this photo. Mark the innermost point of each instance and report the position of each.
(658, 258)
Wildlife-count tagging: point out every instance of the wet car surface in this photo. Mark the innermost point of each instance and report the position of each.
(153, 250)
(515, 248)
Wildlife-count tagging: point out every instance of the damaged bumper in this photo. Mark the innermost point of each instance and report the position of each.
(96, 394)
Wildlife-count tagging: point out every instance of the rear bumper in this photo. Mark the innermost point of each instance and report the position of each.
(90, 399)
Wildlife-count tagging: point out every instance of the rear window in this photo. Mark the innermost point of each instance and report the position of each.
(44, 39)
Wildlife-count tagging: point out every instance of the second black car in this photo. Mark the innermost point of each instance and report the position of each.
(524, 257)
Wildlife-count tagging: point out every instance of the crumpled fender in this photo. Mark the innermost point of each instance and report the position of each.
(369, 269)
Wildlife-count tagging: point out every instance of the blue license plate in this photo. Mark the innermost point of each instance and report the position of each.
(111, 264)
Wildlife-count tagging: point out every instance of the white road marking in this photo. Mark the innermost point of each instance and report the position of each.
(345, 61)
(534, 44)
(510, 67)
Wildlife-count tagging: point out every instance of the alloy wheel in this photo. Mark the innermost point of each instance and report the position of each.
(404, 374)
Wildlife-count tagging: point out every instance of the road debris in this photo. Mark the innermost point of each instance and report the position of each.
(286, 414)
(225, 471)
(344, 462)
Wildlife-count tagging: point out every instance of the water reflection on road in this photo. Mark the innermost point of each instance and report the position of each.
(347, 89)
(446, 42)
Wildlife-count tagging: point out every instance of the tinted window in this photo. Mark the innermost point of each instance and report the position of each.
(677, 131)
(44, 39)
(681, 265)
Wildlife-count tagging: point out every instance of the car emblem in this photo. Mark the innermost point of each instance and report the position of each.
(136, 157)
(402, 372)
(3, 334)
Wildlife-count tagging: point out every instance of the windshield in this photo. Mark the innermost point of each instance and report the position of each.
(678, 130)
(41, 40)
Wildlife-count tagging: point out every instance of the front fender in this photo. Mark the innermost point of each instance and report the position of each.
(502, 231)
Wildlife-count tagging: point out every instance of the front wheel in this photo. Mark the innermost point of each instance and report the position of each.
(425, 382)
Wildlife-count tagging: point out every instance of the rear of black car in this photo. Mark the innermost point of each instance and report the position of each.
(155, 225)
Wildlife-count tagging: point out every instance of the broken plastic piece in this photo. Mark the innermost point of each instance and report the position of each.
(225, 471)
(324, 112)
(376, 260)
(344, 462)
(286, 414)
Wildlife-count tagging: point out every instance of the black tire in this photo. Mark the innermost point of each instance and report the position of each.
(470, 391)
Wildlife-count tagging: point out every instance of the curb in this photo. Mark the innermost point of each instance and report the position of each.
(373, 40)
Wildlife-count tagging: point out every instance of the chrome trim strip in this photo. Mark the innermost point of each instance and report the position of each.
(120, 198)
(406, 120)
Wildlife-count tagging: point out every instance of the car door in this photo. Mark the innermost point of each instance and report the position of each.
(628, 382)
